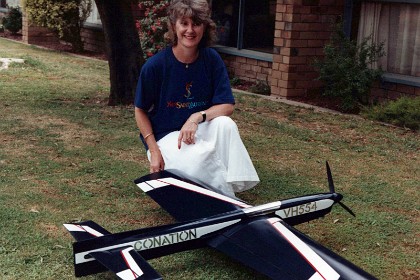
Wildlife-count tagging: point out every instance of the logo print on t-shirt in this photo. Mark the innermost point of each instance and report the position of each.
(188, 87)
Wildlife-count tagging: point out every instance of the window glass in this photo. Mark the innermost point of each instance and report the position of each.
(10, 3)
(397, 25)
(225, 14)
(259, 25)
(245, 24)
(94, 15)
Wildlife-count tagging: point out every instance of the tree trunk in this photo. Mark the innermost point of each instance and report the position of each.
(123, 49)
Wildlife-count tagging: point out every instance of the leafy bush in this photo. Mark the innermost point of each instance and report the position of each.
(346, 69)
(235, 81)
(153, 26)
(404, 112)
(261, 87)
(13, 20)
(65, 17)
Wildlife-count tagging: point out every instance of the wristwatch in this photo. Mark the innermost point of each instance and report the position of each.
(203, 114)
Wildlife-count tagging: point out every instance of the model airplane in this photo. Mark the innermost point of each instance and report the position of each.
(261, 237)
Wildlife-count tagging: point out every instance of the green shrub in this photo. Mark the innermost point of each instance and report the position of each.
(235, 81)
(346, 69)
(404, 112)
(13, 20)
(65, 17)
(261, 87)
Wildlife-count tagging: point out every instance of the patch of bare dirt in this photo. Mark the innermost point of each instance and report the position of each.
(319, 100)
(51, 230)
(73, 135)
(315, 99)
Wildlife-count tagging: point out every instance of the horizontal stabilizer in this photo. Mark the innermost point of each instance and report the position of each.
(127, 264)
(86, 230)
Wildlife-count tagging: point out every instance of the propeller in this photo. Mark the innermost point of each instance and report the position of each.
(330, 179)
(332, 190)
(347, 208)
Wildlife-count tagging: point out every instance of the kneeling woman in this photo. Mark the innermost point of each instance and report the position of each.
(182, 105)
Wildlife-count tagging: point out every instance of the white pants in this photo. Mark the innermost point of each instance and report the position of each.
(218, 157)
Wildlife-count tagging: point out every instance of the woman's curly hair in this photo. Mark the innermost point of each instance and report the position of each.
(199, 12)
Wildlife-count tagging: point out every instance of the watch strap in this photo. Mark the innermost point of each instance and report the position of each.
(203, 114)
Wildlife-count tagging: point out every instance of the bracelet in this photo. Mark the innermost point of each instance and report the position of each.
(145, 137)
(194, 122)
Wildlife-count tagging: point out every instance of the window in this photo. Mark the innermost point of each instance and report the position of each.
(398, 26)
(245, 24)
(4, 4)
(10, 3)
(94, 17)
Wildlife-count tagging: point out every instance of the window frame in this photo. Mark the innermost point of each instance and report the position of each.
(14, 4)
(93, 21)
(239, 49)
(5, 9)
(394, 77)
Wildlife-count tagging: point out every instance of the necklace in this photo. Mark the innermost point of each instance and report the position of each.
(187, 61)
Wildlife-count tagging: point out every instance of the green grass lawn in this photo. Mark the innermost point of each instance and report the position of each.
(65, 155)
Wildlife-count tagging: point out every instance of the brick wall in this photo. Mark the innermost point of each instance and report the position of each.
(386, 91)
(302, 28)
(248, 69)
(32, 34)
(93, 39)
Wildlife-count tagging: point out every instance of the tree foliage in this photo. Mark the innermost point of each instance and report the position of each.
(346, 69)
(13, 20)
(65, 17)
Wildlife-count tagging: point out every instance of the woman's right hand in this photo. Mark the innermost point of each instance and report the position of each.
(156, 161)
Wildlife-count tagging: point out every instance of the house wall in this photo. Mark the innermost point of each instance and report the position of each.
(94, 39)
(301, 30)
(386, 91)
(248, 69)
(32, 34)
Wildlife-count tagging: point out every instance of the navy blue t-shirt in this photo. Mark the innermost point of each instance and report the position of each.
(170, 91)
